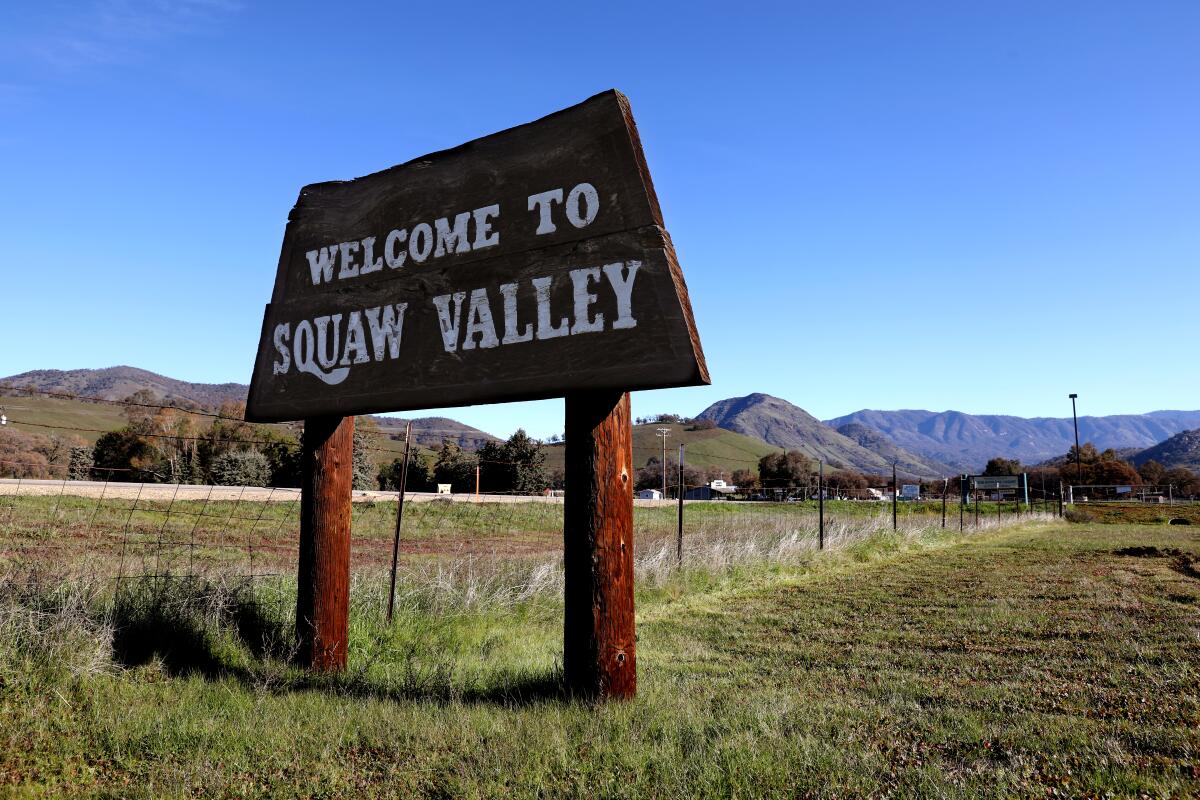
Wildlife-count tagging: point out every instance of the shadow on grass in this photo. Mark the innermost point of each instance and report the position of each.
(219, 632)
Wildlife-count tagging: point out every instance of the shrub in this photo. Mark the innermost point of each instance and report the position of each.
(1078, 515)
(241, 468)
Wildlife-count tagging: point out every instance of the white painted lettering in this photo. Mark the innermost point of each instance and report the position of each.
(349, 268)
(622, 286)
(305, 346)
(370, 262)
(513, 334)
(452, 240)
(448, 319)
(386, 330)
(542, 202)
(356, 342)
(282, 333)
(320, 264)
(545, 329)
(479, 321)
(393, 251)
(423, 233)
(327, 356)
(484, 235)
(583, 299)
(582, 198)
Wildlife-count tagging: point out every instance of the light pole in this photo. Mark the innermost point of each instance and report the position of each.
(1078, 463)
(663, 433)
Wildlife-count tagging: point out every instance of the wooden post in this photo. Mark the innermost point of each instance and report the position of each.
(599, 648)
(323, 577)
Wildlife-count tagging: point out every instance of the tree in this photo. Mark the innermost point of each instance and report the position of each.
(455, 467)
(1003, 466)
(283, 458)
(1152, 472)
(744, 478)
(1111, 472)
(847, 482)
(241, 468)
(784, 469)
(651, 477)
(419, 475)
(81, 463)
(517, 465)
(362, 464)
(124, 455)
(1183, 481)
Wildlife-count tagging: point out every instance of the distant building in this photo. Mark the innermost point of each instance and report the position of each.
(649, 494)
(717, 490)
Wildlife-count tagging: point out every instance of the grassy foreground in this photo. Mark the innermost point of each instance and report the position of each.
(1046, 659)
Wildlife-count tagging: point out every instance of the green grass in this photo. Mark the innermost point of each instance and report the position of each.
(1047, 658)
(88, 421)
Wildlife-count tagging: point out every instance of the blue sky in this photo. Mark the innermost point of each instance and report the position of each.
(978, 206)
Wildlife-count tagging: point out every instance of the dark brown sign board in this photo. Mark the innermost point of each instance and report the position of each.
(528, 264)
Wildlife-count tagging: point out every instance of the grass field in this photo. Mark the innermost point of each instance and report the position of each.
(88, 421)
(1029, 660)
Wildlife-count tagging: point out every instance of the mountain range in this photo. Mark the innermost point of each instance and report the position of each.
(778, 422)
(967, 441)
(921, 443)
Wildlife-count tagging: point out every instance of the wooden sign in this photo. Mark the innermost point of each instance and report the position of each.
(527, 264)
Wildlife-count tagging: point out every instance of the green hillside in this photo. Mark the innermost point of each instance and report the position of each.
(703, 449)
(88, 421)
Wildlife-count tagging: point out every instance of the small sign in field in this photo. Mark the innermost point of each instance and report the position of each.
(996, 482)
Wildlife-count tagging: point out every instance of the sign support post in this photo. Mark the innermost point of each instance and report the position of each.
(599, 647)
(323, 576)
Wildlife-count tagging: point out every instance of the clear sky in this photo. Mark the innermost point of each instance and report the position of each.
(977, 206)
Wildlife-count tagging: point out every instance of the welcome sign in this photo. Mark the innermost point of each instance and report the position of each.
(527, 264)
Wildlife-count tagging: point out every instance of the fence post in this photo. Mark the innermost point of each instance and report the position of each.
(895, 496)
(599, 648)
(945, 486)
(821, 505)
(399, 517)
(962, 496)
(323, 574)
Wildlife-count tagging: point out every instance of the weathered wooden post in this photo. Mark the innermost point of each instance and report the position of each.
(599, 645)
(323, 576)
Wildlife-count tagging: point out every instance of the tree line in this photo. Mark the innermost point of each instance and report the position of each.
(167, 445)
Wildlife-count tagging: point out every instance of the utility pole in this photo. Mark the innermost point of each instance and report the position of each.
(1078, 463)
(663, 433)
(679, 528)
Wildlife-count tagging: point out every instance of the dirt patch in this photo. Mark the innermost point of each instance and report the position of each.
(1181, 562)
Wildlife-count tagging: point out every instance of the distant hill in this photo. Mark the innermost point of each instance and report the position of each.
(431, 431)
(117, 383)
(780, 423)
(967, 441)
(702, 448)
(1181, 450)
(905, 461)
